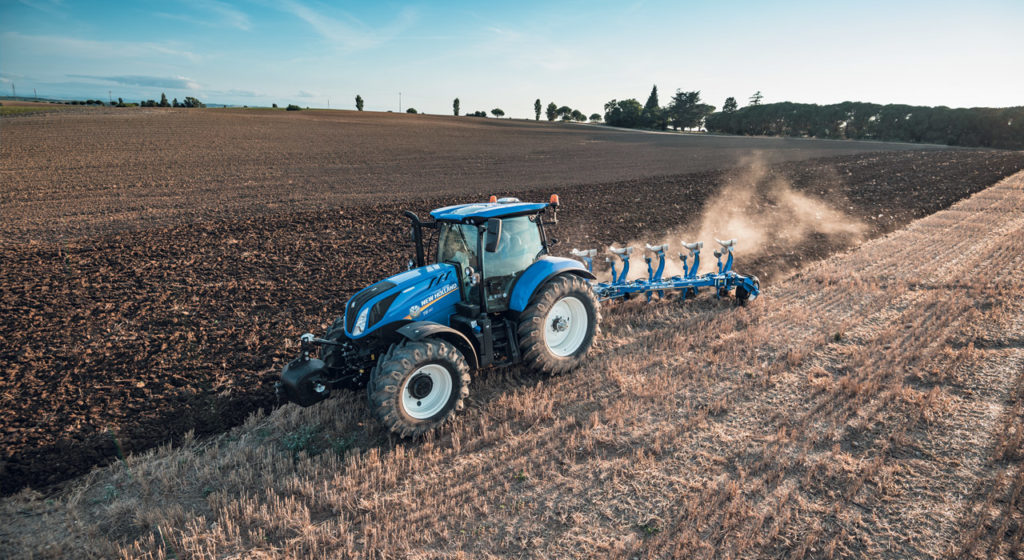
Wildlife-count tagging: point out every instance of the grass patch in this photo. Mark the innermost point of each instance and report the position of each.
(6, 111)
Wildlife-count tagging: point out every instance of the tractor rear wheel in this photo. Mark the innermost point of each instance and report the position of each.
(417, 385)
(559, 326)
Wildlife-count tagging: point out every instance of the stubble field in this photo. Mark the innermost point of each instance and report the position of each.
(156, 265)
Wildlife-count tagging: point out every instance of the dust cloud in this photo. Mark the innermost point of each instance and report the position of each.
(761, 210)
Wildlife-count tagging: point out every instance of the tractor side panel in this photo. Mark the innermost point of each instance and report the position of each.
(434, 303)
(539, 272)
(423, 294)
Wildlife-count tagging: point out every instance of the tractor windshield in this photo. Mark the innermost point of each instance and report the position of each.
(520, 246)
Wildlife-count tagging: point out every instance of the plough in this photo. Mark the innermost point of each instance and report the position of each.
(492, 296)
(723, 279)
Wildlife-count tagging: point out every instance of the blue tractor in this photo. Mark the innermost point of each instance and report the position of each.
(493, 296)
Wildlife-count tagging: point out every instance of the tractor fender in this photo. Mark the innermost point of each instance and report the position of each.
(418, 330)
(539, 272)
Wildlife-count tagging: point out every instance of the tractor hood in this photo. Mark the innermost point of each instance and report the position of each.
(428, 293)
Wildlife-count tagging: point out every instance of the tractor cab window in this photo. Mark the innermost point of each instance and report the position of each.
(519, 247)
(457, 243)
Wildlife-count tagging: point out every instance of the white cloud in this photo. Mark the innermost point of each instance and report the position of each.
(351, 35)
(223, 15)
(231, 16)
(61, 47)
(242, 93)
(52, 7)
(178, 82)
(530, 50)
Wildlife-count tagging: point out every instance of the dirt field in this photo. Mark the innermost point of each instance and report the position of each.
(872, 406)
(158, 264)
(97, 170)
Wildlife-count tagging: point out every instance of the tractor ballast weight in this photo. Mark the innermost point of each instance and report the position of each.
(492, 296)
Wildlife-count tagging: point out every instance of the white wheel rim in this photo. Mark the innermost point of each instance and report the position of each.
(426, 405)
(565, 326)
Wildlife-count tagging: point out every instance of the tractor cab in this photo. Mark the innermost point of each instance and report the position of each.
(491, 245)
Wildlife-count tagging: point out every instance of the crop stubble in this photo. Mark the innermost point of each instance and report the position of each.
(866, 407)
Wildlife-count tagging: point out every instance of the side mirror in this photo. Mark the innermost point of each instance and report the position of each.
(493, 235)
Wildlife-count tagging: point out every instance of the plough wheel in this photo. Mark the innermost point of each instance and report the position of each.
(559, 326)
(416, 386)
(742, 295)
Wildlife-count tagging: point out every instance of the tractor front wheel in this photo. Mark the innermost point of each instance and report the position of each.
(417, 385)
(559, 326)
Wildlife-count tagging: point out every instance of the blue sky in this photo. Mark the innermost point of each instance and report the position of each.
(581, 54)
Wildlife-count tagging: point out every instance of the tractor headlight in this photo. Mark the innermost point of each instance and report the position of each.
(360, 325)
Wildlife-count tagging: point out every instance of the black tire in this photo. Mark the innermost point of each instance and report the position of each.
(567, 291)
(424, 366)
(742, 294)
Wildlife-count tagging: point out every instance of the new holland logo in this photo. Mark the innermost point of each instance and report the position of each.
(415, 310)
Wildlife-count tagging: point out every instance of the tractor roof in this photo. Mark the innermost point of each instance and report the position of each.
(482, 211)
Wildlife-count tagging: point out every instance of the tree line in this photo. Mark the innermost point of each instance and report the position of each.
(978, 127)
(851, 120)
(189, 102)
(685, 110)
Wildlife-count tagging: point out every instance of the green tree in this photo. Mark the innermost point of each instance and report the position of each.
(359, 103)
(536, 110)
(730, 105)
(175, 102)
(552, 111)
(578, 115)
(163, 100)
(625, 113)
(686, 111)
(596, 117)
(565, 112)
(498, 113)
(274, 105)
(652, 115)
(755, 99)
(652, 100)
(455, 106)
(411, 111)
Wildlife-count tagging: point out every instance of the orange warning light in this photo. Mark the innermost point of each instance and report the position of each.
(554, 200)
(492, 199)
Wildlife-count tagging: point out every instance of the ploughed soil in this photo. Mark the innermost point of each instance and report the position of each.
(158, 265)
